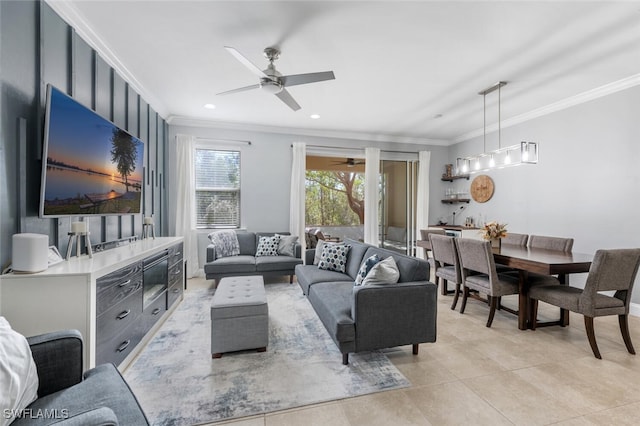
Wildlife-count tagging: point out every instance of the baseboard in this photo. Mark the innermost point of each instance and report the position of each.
(634, 309)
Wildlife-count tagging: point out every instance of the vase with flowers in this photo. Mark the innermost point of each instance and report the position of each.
(494, 231)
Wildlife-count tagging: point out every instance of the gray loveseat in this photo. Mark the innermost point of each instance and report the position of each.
(365, 318)
(247, 263)
(100, 396)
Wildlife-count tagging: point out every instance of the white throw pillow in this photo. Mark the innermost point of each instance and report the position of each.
(366, 266)
(18, 374)
(384, 272)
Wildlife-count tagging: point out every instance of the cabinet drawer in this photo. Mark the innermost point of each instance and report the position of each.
(119, 346)
(175, 254)
(116, 286)
(118, 317)
(174, 293)
(176, 272)
(152, 313)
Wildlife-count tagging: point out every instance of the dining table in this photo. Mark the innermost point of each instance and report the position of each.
(542, 261)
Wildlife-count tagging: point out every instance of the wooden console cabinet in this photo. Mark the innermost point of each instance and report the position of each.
(103, 297)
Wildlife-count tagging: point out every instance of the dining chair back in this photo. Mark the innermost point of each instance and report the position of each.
(611, 270)
(551, 243)
(424, 236)
(446, 263)
(479, 273)
(516, 239)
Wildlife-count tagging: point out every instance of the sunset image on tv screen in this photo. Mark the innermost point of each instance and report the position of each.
(92, 166)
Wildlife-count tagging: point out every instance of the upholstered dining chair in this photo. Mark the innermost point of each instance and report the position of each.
(516, 239)
(479, 273)
(446, 263)
(551, 243)
(610, 270)
(424, 236)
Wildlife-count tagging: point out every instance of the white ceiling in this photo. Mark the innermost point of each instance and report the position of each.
(398, 65)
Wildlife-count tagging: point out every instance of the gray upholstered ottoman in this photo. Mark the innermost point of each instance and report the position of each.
(239, 316)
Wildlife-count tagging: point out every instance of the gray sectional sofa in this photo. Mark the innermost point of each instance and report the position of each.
(247, 263)
(364, 318)
(100, 396)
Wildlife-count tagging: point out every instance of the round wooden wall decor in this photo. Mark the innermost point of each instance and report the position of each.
(482, 188)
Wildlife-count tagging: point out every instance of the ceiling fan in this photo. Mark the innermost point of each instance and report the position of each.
(350, 162)
(271, 81)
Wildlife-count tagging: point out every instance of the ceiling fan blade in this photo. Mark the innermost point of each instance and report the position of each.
(247, 63)
(286, 97)
(240, 89)
(295, 79)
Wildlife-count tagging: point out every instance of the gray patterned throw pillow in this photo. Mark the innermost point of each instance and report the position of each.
(365, 268)
(268, 246)
(334, 257)
(226, 243)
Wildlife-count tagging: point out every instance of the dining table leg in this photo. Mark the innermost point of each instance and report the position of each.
(564, 313)
(523, 301)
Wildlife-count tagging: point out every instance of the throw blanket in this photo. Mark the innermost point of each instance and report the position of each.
(226, 243)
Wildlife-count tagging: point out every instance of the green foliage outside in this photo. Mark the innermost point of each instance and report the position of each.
(334, 198)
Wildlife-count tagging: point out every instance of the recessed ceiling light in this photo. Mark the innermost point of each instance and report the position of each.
(209, 106)
(315, 116)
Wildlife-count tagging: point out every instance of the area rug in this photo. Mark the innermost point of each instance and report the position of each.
(178, 383)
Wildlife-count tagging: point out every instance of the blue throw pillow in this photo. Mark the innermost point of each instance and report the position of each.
(365, 268)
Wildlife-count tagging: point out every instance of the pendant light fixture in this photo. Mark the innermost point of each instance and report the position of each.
(514, 155)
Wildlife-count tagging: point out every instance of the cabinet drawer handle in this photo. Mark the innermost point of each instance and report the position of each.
(177, 272)
(124, 314)
(127, 282)
(156, 311)
(176, 290)
(123, 346)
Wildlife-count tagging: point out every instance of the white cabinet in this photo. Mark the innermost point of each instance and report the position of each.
(64, 296)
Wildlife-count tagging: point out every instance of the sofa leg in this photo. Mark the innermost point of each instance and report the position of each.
(216, 355)
(415, 348)
(345, 359)
(290, 279)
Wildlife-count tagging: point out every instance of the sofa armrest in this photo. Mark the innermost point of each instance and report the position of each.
(297, 248)
(58, 359)
(309, 255)
(394, 314)
(211, 253)
(103, 416)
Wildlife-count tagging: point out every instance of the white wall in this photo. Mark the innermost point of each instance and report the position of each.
(266, 172)
(587, 182)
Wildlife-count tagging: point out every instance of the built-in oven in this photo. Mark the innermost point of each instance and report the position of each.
(155, 277)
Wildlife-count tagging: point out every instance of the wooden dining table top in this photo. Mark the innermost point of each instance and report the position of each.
(543, 261)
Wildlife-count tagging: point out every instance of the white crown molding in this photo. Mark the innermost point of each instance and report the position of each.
(175, 120)
(581, 98)
(77, 21)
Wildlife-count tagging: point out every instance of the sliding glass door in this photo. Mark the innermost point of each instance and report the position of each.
(398, 181)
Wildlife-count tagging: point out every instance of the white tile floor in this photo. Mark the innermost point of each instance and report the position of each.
(480, 376)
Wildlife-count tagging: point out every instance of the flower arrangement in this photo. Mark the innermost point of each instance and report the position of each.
(494, 230)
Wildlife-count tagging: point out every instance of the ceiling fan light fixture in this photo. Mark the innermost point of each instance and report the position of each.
(271, 86)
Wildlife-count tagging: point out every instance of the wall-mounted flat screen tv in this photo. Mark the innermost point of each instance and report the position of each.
(90, 166)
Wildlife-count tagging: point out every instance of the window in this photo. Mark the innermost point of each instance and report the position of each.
(217, 188)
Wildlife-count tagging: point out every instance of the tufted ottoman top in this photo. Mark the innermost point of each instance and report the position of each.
(239, 297)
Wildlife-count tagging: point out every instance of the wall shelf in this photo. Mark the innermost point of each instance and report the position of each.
(452, 178)
(455, 200)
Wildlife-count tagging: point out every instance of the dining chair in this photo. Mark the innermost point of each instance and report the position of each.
(446, 264)
(516, 239)
(424, 235)
(611, 270)
(479, 273)
(551, 243)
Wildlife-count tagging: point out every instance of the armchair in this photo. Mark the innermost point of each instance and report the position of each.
(68, 397)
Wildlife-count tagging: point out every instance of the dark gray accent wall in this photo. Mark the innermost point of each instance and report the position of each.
(37, 48)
